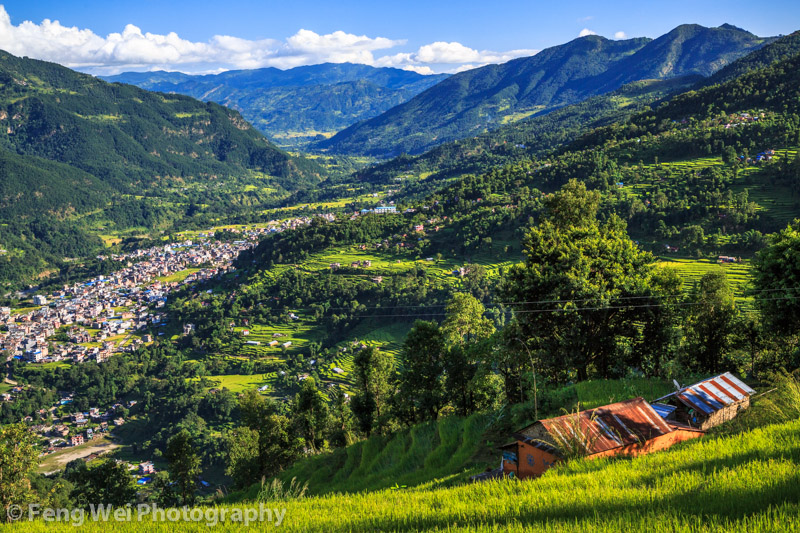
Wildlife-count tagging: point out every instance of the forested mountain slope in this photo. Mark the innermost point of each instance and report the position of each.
(295, 105)
(72, 145)
(474, 101)
(525, 139)
(536, 136)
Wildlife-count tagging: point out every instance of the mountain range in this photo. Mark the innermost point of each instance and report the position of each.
(471, 102)
(296, 105)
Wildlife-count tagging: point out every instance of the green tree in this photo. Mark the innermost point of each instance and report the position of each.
(243, 460)
(373, 371)
(18, 459)
(776, 281)
(421, 390)
(710, 325)
(342, 421)
(573, 205)
(107, 483)
(465, 321)
(278, 446)
(311, 414)
(577, 290)
(660, 332)
(183, 465)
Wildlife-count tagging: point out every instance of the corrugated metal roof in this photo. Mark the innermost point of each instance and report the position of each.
(611, 426)
(663, 409)
(713, 394)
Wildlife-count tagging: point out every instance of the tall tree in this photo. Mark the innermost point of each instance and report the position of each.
(342, 422)
(710, 326)
(421, 390)
(311, 414)
(576, 292)
(183, 465)
(242, 452)
(373, 371)
(265, 446)
(776, 280)
(465, 330)
(465, 321)
(18, 459)
(108, 483)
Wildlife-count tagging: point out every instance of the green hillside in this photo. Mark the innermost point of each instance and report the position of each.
(128, 137)
(295, 106)
(781, 49)
(740, 482)
(471, 102)
(524, 139)
(82, 157)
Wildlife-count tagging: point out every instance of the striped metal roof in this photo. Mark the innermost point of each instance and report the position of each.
(611, 426)
(713, 394)
(663, 409)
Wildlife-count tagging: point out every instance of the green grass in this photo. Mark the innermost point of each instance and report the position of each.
(595, 393)
(178, 276)
(237, 383)
(691, 270)
(743, 482)
(434, 453)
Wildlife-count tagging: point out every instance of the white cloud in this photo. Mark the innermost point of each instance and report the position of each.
(420, 69)
(586, 31)
(450, 57)
(620, 35)
(586, 19)
(133, 49)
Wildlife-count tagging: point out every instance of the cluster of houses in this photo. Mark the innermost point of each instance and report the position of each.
(740, 119)
(113, 305)
(761, 157)
(76, 428)
(630, 428)
(380, 210)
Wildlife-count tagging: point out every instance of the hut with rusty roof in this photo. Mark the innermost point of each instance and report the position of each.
(706, 404)
(627, 428)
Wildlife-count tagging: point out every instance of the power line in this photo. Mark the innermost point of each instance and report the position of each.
(564, 310)
(538, 302)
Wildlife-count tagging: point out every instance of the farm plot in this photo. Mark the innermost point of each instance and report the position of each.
(298, 334)
(691, 270)
(237, 383)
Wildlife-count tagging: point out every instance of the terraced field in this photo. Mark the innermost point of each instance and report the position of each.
(237, 383)
(776, 201)
(691, 270)
(388, 339)
(435, 454)
(299, 333)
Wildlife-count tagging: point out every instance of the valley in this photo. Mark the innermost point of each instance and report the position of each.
(343, 290)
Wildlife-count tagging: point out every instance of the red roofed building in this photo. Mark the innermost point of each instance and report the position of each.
(708, 403)
(627, 428)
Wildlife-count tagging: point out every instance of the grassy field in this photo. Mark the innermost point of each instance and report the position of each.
(595, 393)
(744, 482)
(237, 383)
(177, 277)
(298, 332)
(433, 454)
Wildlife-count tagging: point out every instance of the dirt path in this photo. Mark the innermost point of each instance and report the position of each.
(58, 460)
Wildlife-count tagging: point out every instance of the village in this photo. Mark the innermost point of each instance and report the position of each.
(97, 318)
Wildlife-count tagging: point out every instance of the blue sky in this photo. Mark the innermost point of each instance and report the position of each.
(427, 36)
